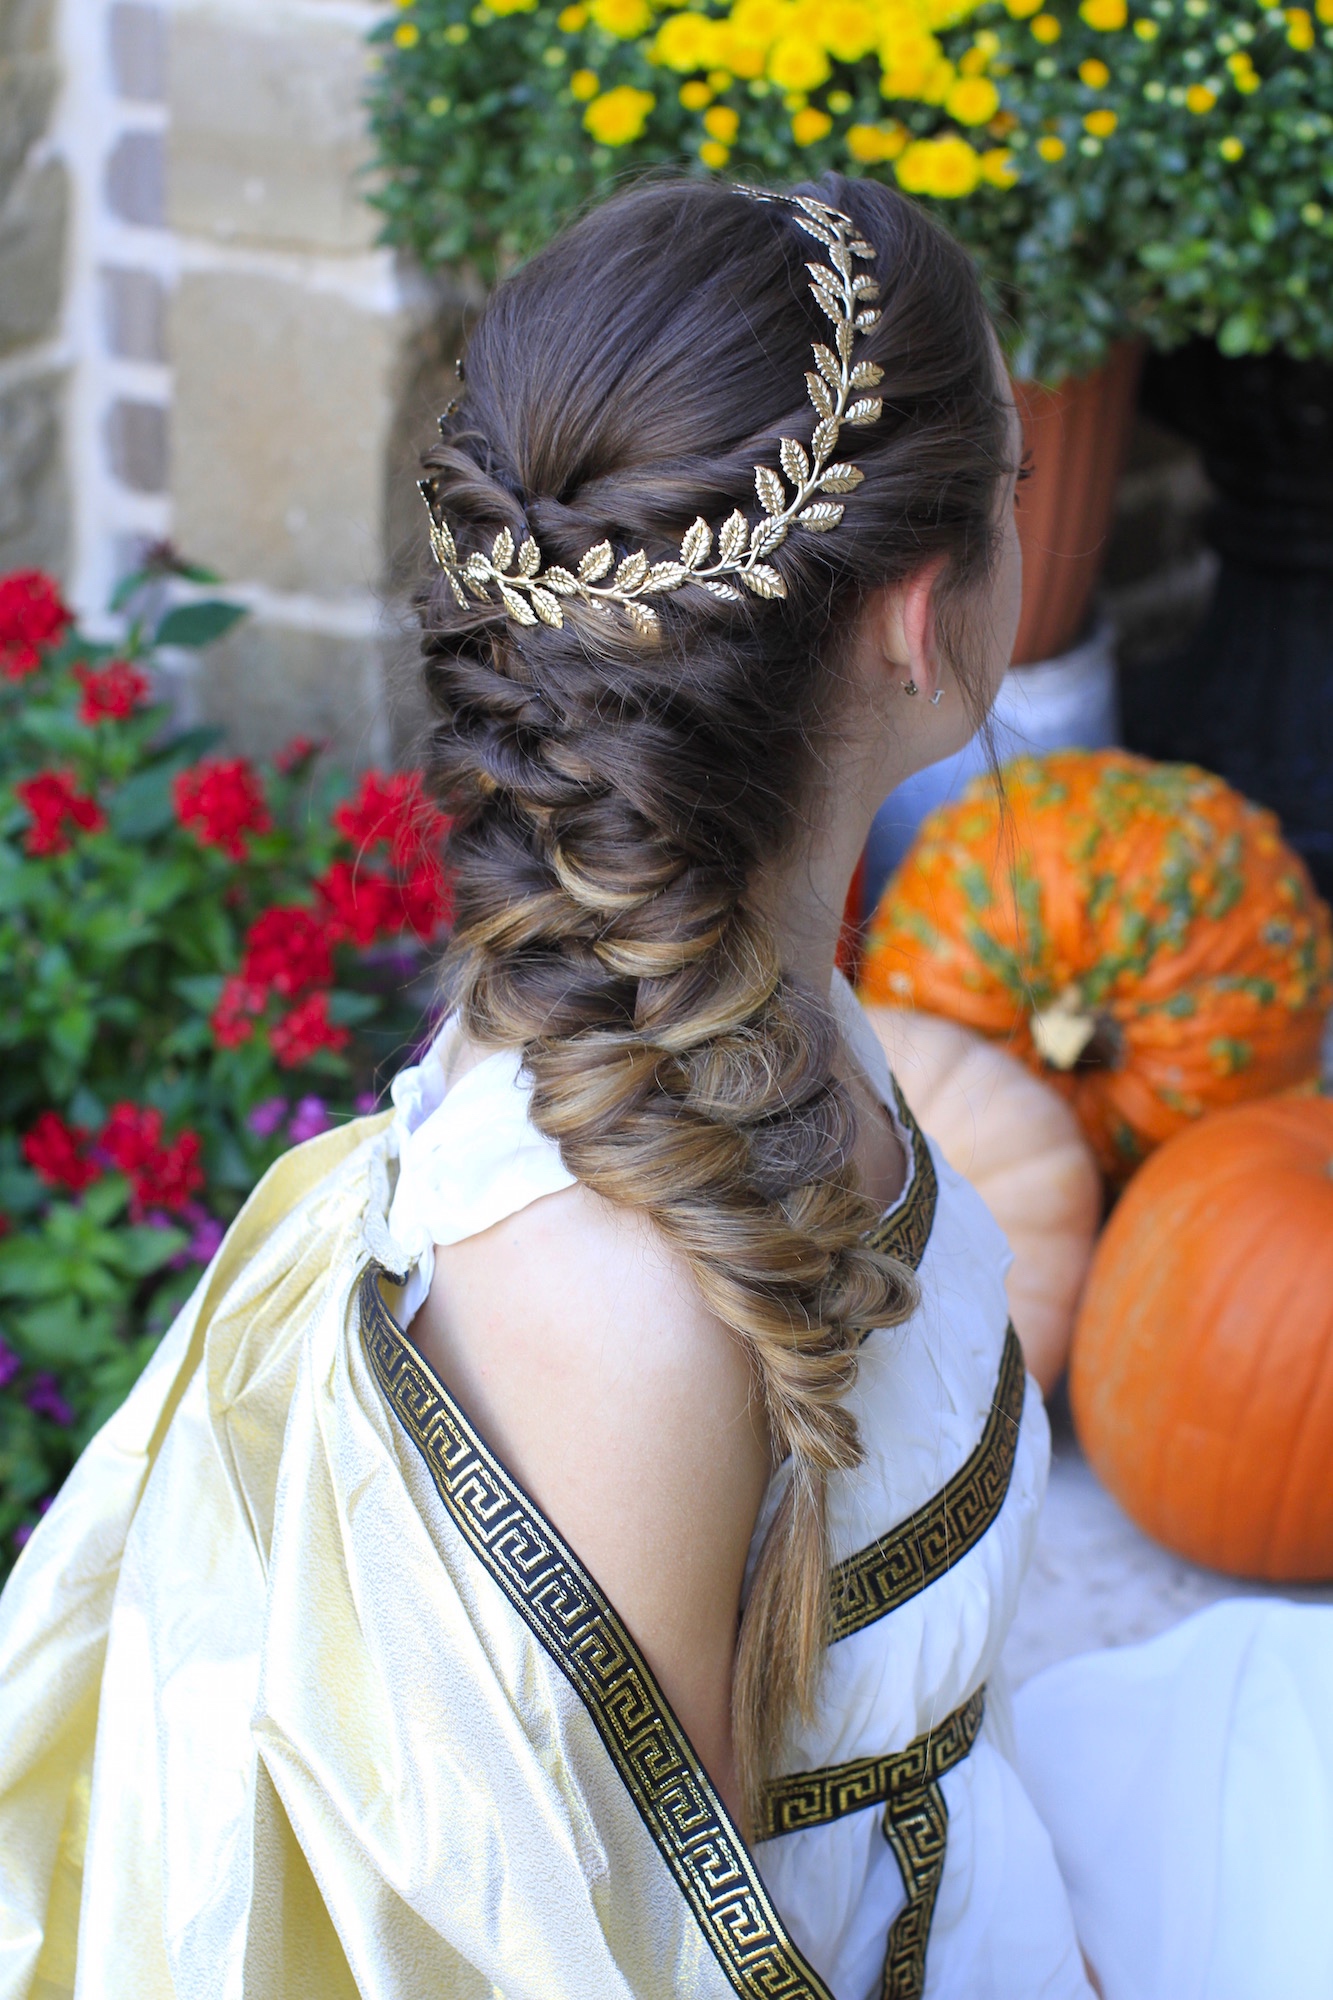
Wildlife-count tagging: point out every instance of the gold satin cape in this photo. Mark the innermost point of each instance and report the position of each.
(301, 1697)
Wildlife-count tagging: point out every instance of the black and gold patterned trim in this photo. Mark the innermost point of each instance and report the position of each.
(919, 1551)
(905, 1233)
(916, 1825)
(566, 1612)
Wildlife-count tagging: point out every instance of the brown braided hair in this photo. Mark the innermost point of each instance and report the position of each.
(615, 796)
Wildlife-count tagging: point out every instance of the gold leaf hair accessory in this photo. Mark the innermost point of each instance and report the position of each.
(839, 390)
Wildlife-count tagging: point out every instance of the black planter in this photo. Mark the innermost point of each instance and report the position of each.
(1251, 697)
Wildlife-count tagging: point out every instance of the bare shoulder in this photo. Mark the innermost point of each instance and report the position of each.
(576, 1341)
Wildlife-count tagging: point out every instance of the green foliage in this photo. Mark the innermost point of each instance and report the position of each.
(159, 1047)
(1189, 191)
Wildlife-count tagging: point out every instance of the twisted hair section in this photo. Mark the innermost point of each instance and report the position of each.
(616, 796)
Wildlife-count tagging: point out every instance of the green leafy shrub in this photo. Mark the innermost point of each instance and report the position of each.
(1158, 171)
(200, 963)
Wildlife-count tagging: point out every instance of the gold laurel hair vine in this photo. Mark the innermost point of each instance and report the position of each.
(837, 387)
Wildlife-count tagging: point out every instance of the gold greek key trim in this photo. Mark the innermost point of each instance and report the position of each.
(817, 1798)
(920, 1550)
(566, 1612)
(906, 1232)
(916, 1825)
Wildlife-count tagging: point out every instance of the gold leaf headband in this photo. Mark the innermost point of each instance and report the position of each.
(530, 593)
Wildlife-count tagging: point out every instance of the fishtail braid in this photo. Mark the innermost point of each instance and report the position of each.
(615, 796)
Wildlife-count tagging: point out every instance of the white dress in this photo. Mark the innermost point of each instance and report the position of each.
(875, 1859)
(1173, 1800)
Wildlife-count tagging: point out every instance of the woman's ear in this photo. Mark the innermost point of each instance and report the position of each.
(907, 638)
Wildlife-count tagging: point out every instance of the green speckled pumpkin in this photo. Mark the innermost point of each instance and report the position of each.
(1137, 932)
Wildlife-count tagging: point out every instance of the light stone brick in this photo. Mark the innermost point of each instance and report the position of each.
(136, 179)
(134, 314)
(27, 91)
(267, 132)
(27, 27)
(137, 38)
(265, 683)
(32, 250)
(34, 512)
(136, 440)
(284, 405)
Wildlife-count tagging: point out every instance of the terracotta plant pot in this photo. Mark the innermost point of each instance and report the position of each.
(1077, 435)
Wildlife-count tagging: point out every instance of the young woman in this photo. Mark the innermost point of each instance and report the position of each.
(565, 1547)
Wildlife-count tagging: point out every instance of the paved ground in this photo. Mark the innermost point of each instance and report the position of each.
(1096, 1580)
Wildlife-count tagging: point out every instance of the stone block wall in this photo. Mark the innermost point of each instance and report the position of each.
(34, 205)
(200, 341)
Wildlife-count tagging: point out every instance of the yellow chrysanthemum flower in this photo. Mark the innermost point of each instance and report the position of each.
(1324, 9)
(1231, 148)
(1241, 63)
(973, 100)
(1094, 73)
(1021, 9)
(810, 125)
(684, 42)
(1105, 15)
(695, 95)
(760, 20)
(796, 63)
(1248, 82)
(511, 7)
(714, 154)
(849, 30)
(1147, 31)
(622, 18)
(720, 80)
(584, 84)
(872, 143)
(722, 123)
(839, 101)
(1046, 28)
(999, 167)
(1050, 147)
(571, 19)
(618, 116)
(1300, 29)
(1199, 98)
(947, 167)
(406, 35)
(1101, 124)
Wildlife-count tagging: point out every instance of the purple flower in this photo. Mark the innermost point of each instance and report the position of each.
(266, 1117)
(23, 1534)
(309, 1119)
(204, 1244)
(364, 1103)
(45, 1400)
(9, 1364)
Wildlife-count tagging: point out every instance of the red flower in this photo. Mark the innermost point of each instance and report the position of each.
(360, 905)
(161, 1176)
(221, 800)
(113, 694)
(426, 899)
(232, 1020)
(307, 1029)
(56, 805)
(31, 616)
(54, 1151)
(393, 809)
(299, 751)
(287, 949)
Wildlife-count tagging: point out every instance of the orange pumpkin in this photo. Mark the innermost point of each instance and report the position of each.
(1137, 932)
(1020, 1146)
(1202, 1371)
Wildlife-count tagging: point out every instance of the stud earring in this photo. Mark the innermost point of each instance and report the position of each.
(909, 687)
(937, 698)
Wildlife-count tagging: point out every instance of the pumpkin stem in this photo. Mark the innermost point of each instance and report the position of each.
(1062, 1031)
